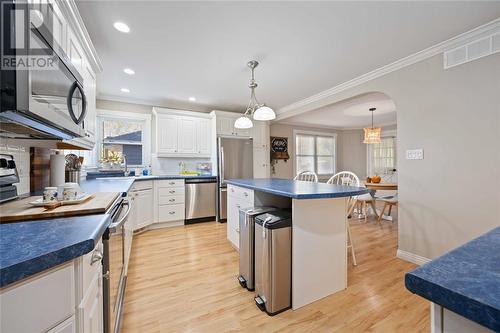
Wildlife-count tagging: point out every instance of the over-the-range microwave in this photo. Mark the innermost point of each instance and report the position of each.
(46, 100)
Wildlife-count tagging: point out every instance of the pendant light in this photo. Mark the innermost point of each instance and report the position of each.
(372, 134)
(255, 109)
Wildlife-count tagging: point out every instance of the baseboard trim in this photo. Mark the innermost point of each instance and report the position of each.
(412, 257)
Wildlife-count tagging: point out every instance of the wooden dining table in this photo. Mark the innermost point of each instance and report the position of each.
(381, 186)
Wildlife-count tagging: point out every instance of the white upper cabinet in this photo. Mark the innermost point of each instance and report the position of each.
(75, 52)
(186, 143)
(166, 134)
(260, 134)
(89, 84)
(225, 126)
(203, 133)
(179, 135)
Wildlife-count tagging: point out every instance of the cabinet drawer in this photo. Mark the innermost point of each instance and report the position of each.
(169, 191)
(170, 183)
(25, 304)
(171, 212)
(142, 185)
(240, 192)
(170, 199)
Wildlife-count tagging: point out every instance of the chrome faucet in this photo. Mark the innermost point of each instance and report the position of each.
(126, 166)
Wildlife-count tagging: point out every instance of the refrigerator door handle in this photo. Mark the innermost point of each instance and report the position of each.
(222, 165)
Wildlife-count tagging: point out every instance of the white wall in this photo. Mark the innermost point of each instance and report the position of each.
(453, 194)
(352, 155)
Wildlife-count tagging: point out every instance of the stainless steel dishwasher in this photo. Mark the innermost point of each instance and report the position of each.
(200, 199)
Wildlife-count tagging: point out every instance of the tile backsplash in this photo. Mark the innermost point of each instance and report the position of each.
(164, 166)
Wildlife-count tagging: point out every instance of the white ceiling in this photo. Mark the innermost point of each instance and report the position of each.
(351, 113)
(200, 49)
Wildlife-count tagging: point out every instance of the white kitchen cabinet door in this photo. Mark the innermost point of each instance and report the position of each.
(225, 126)
(166, 134)
(67, 326)
(59, 25)
(243, 132)
(233, 215)
(143, 205)
(186, 142)
(89, 85)
(260, 134)
(75, 51)
(261, 162)
(91, 309)
(203, 133)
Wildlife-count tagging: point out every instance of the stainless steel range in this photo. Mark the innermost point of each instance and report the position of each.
(8, 176)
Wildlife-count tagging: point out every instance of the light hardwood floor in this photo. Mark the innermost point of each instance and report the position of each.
(184, 279)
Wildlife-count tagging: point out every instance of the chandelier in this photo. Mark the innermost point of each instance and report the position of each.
(372, 134)
(254, 109)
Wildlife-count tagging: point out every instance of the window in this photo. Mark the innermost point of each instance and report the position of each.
(315, 152)
(123, 134)
(382, 157)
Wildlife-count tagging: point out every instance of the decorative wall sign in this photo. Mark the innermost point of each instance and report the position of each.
(279, 148)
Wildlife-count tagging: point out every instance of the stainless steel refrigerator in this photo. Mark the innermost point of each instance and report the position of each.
(234, 160)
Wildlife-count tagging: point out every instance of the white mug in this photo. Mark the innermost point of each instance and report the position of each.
(49, 194)
(71, 193)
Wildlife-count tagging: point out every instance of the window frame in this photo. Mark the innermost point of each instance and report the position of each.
(102, 115)
(315, 134)
(369, 151)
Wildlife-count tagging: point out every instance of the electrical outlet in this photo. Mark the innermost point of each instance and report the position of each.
(415, 154)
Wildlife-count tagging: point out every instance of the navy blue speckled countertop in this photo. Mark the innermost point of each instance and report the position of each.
(30, 247)
(465, 280)
(123, 184)
(298, 189)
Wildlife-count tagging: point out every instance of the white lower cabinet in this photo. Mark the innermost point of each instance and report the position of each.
(67, 326)
(169, 201)
(64, 299)
(141, 197)
(91, 308)
(446, 321)
(237, 198)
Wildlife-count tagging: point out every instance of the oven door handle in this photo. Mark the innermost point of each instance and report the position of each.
(113, 226)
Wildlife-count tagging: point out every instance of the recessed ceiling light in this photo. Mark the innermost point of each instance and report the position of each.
(125, 90)
(122, 27)
(129, 71)
(192, 99)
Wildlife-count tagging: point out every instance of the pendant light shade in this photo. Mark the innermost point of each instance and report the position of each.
(372, 134)
(264, 113)
(254, 109)
(243, 122)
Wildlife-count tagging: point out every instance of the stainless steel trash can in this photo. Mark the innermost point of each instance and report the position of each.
(273, 261)
(247, 244)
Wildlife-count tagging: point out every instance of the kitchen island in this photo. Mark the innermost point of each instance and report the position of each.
(319, 233)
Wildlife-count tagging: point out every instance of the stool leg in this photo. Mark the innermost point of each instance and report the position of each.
(350, 244)
(379, 220)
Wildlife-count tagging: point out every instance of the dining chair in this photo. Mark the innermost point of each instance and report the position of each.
(307, 176)
(388, 202)
(347, 178)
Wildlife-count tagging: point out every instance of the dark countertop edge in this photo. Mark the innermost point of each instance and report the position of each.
(414, 284)
(299, 196)
(173, 177)
(39, 264)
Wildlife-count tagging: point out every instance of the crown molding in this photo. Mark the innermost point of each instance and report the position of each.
(296, 108)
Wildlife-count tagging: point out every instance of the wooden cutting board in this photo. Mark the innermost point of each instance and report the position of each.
(21, 210)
